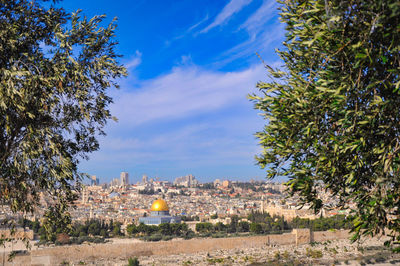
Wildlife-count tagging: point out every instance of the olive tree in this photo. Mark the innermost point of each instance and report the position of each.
(332, 111)
(55, 70)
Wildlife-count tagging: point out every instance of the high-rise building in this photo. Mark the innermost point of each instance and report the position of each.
(226, 183)
(217, 183)
(186, 181)
(115, 182)
(124, 179)
(145, 179)
(94, 181)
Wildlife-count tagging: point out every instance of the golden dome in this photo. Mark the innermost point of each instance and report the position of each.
(159, 206)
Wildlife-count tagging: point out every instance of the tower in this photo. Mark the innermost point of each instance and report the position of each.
(94, 181)
(144, 179)
(262, 204)
(124, 179)
(85, 195)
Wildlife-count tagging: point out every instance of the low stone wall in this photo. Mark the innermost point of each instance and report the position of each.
(283, 239)
(329, 235)
(19, 233)
(56, 255)
(303, 236)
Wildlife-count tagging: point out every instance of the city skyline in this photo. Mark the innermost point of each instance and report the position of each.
(183, 109)
(139, 178)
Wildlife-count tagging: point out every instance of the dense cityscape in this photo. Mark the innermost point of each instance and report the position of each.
(158, 210)
(124, 202)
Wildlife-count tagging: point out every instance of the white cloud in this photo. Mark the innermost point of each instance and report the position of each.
(230, 9)
(185, 91)
(266, 41)
(188, 31)
(159, 129)
(193, 143)
(265, 34)
(256, 22)
(135, 61)
(197, 24)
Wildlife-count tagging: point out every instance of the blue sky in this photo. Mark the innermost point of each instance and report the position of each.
(183, 108)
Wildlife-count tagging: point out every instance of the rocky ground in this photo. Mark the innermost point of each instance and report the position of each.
(337, 252)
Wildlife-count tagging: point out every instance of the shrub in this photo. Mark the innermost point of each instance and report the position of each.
(313, 253)
(189, 235)
(155, 237)
(167, 238)
(133, 261)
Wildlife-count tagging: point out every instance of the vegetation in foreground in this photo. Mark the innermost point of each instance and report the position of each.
(56, 69)
(332, 110)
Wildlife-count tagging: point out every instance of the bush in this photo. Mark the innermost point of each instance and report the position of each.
(218, 235)
(63, 239)
(189, 235)
(98, 240)
(167, 238)
(313, 253)
(155, 237)
(133, 261)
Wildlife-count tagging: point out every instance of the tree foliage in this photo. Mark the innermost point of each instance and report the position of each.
(55, 69)
(332, 111)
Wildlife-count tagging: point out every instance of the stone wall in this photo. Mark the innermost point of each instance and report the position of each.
(19, 233)
(56, 255)
(329, 235)
(283, 239)
(303, 236)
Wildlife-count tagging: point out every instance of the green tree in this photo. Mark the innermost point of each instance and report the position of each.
(179, 229)
(332, 111)
(233, 226)
(116, 231)
(142, 228)
(165, 229)
(219, 227)
(56, 220)
(55, 69)
(35, 226)
(94, 228)
(256, 228)
(131, 229)
(204, 227)
(244, 226)
(103, 233)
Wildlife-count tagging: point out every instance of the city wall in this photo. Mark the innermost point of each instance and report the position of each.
(19, 233)
(329, 235)
(56, 255)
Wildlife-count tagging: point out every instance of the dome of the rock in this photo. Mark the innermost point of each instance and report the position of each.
(159, 214)
(159, 205)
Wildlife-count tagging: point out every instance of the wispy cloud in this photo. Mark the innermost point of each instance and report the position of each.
(140, 138)
(189, 146)
(256, 22)
(198, 24)
(135, 61)
(185, 91)
(265, 33)
(227, 12)
(186, 32)
(266, 42)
